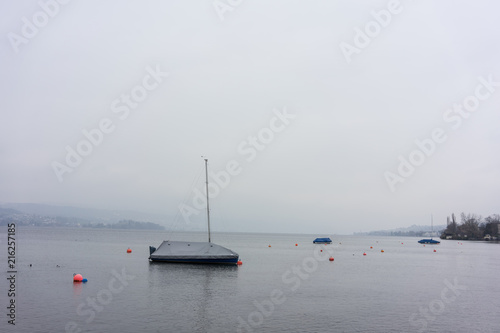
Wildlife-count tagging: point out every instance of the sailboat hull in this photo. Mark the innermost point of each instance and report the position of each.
(193, 253)
(206, 261)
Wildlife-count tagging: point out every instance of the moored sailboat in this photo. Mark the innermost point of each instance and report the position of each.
(194, 252)
(430, 240)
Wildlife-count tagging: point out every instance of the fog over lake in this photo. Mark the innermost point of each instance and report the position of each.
(318, 117)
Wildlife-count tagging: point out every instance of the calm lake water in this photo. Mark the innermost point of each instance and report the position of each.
(282, 288)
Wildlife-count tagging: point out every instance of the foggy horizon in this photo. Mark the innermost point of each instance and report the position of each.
(328, 118)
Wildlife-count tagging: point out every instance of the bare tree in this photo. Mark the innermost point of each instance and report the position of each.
(491, 227)
(451, 227)
(470, 226)
(495, 218)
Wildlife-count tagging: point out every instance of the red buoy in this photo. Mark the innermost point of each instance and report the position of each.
(239, 262)
(331, 259)
(129, 250)
(364, 254)
(77, 278)
(434, 250)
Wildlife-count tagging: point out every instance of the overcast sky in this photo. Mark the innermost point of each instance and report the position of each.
(316, 116)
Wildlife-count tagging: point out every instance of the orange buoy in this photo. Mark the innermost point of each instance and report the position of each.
(296, 244)
(239, 262)
(364, 253)
(371, 247)
(77, 278)
(269, 245)
(331, 259)
(129, 250)
(382, 251)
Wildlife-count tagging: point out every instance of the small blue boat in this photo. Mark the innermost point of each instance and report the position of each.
(322, 241)
(428, 241)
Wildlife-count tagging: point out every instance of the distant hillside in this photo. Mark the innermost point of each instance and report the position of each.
(41, 215)
(8, 211)
(412, 231)
(91, 214)
(125, 224)
(130, 224)
(416, 228)
(8, 216)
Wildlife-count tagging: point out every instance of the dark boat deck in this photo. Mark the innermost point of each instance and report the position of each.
(193, 252)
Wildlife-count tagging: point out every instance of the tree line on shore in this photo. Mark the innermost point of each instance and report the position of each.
(472, 227)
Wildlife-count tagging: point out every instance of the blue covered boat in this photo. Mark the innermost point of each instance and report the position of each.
(428, 241)
(322, 241)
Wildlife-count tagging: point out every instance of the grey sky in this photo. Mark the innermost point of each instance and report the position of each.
(330, 124)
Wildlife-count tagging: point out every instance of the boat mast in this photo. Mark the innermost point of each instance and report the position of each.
(432, 227)
(208, 206)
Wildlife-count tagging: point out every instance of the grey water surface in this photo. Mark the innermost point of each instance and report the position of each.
(278, 288)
